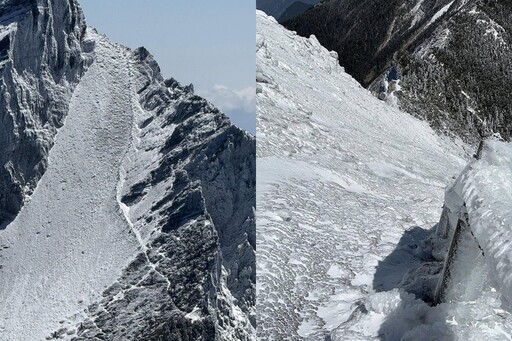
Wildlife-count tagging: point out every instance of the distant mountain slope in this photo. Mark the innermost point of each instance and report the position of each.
(295, 9)
(127, 201)
(452, 58)
(276, 8)
(348, 188)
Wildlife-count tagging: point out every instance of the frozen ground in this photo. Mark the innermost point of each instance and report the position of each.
(71, 240)
(348, 192)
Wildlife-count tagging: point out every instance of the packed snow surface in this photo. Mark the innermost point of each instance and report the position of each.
(348, 192)
(71, 240)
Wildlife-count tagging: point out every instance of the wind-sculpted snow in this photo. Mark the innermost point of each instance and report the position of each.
(475, 296)
(349, 192)
(41, 60)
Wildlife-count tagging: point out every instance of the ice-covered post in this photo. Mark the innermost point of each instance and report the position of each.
(478, 154)
(445, 274)
(442, 227)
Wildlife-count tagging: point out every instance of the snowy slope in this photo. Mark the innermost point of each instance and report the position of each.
(348, 189)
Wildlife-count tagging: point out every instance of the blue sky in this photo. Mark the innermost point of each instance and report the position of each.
(208, 43)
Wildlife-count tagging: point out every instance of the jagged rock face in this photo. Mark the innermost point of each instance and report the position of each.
(36, 84)
(451, 58)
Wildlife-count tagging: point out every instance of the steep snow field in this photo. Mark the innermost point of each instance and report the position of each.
(71, 240)
(348, 192)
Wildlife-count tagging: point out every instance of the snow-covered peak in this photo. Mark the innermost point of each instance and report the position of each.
(126, 201)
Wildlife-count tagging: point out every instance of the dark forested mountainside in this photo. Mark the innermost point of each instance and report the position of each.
(451, 59)
(276, 8)
(365, 34)
(295, 9)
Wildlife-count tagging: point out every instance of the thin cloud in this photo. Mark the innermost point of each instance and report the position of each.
(229, 100)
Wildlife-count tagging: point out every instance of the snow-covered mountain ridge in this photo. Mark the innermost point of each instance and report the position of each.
(141, 221)
(349, 194)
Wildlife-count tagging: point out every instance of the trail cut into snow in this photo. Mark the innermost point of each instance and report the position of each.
(349, 191)
(71, 240)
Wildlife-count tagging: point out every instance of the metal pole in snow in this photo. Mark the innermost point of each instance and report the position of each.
(445, 274)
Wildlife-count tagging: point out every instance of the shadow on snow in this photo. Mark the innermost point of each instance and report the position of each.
(412, 269)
